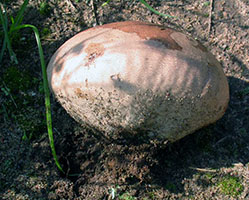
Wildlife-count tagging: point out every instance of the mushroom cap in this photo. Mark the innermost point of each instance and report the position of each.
(138, 78)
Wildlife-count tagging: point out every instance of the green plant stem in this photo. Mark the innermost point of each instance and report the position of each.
(46, 90)
(153, 10)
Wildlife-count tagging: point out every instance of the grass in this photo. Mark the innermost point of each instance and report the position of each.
(19, 102)
(148, 7)
(242, 93)
(231, 185)
(7, 29)
(151, 196)
(45, 32)
(126, 196)
(153, 10)
(44, 8)
(9, 32)
(209, 176)
(207, 3)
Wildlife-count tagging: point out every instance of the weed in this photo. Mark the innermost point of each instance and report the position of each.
(45, 32)
(7, 164)
(19, 102)
(126, 196)
(207, 3)
(32, 122)
(104, 4)
(209, 176)
(8, 32)
(206, 15)
(44, 8)
(153, 10)
(243, 132)
(151, 196)
(16, 80)
(244, 92)
(231, 185)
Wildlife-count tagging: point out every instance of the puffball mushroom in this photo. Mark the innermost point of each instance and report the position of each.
(138, 78)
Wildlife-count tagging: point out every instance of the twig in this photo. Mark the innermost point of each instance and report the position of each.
(71, 4)
(210, 17)
(221, 140)
(203, 169)
(246, 177)
(94, 9)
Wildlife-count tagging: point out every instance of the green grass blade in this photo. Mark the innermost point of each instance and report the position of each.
(46, 90)
(18, 19)
(104, 4)
(4, 25)
(154, 11)
(4, 21)
(2, 50)
(12, 19)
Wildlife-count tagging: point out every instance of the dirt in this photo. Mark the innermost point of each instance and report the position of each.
(212, 163)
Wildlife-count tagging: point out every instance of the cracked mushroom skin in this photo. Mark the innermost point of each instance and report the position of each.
(138, 78)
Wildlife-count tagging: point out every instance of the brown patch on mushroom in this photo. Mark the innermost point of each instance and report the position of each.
(79, 93)
(86, 82)
(93, 50)
(147, 31)
(201, 47)
(198, 45)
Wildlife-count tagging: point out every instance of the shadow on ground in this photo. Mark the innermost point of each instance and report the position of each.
(93, 161)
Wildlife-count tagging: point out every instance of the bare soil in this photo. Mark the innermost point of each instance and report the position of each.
(200, 166)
